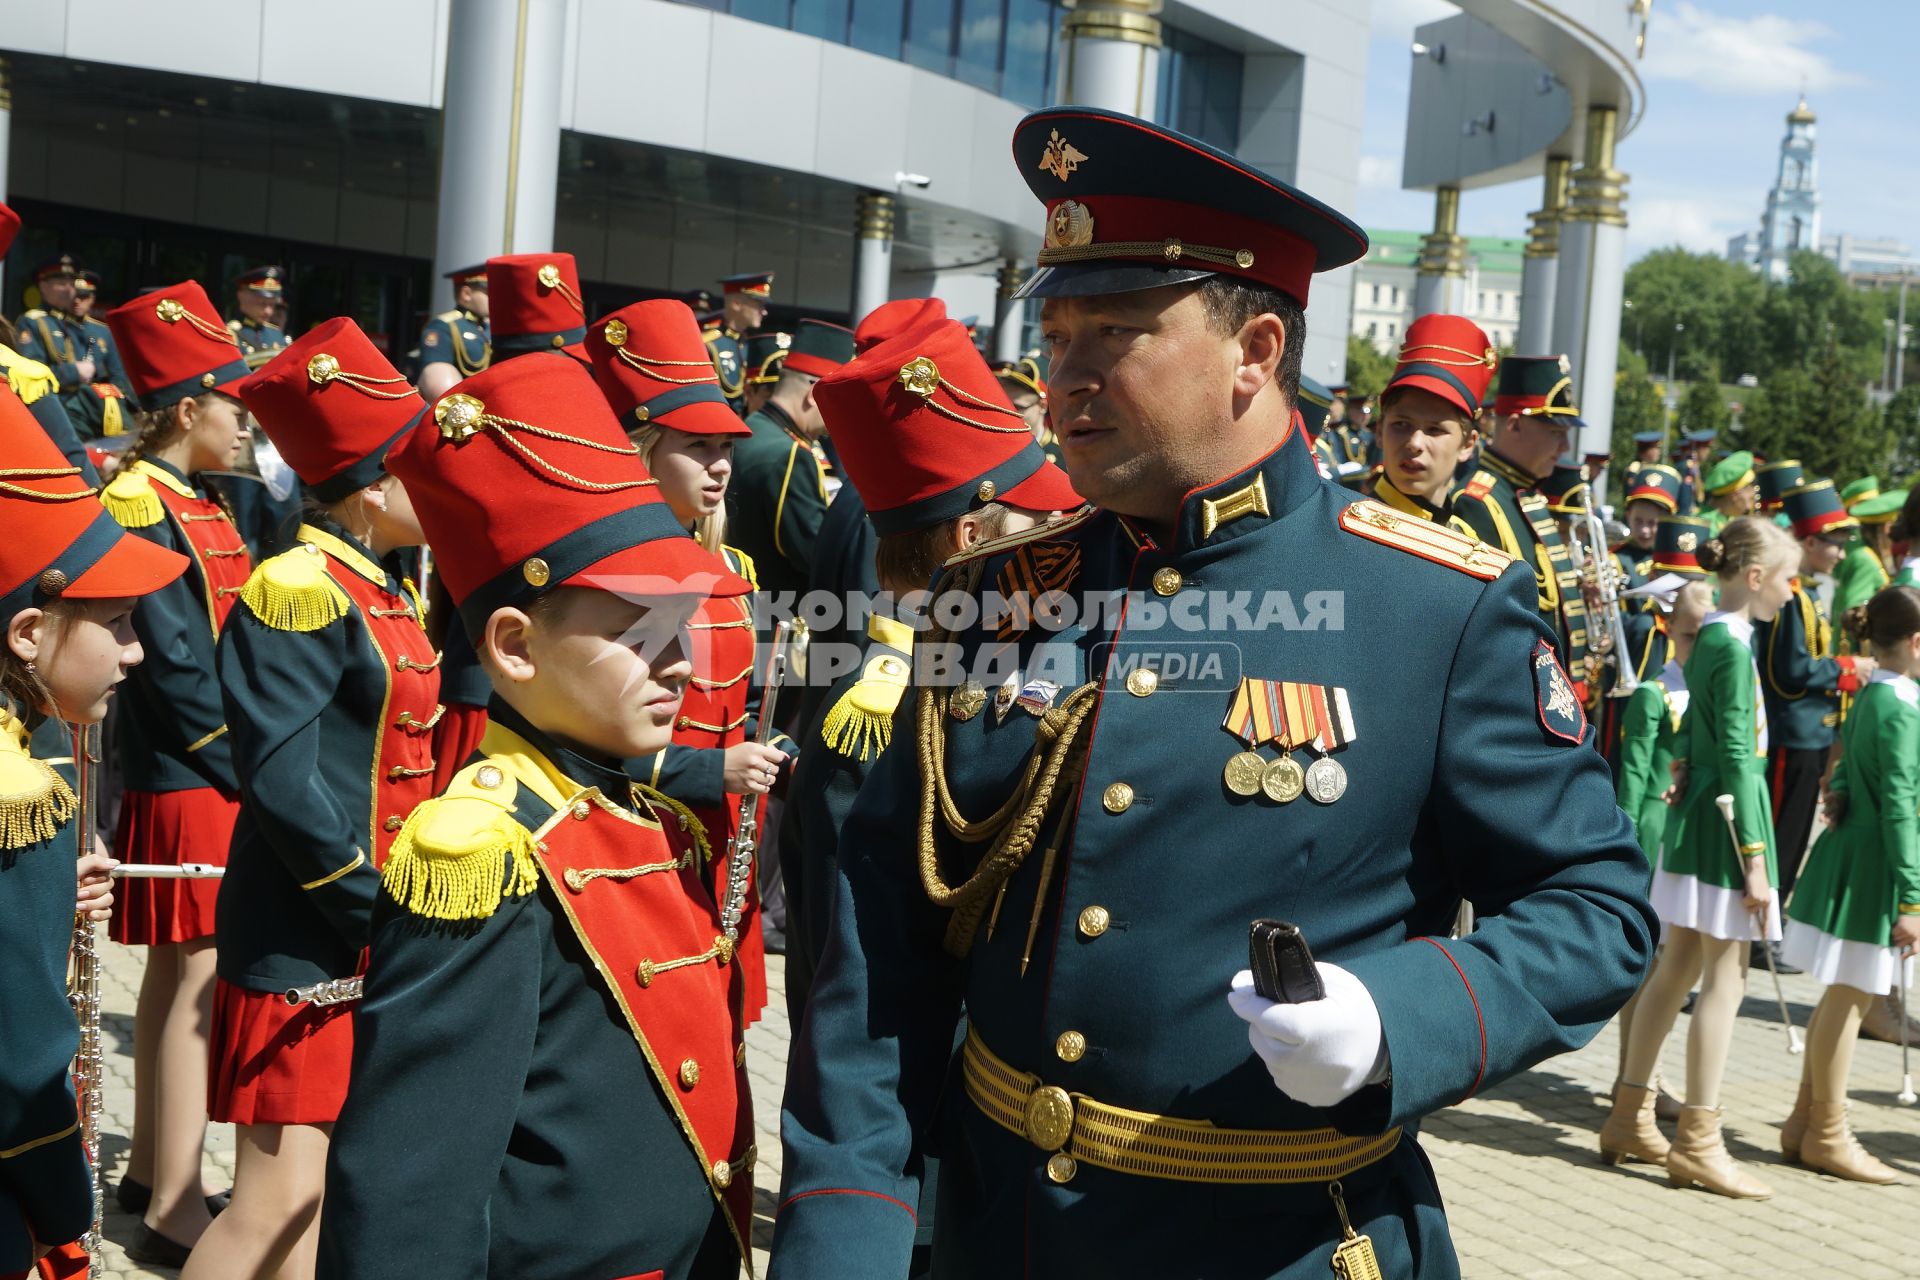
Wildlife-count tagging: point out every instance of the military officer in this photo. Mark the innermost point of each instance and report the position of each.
(83, 354)
(1313, 402)
(1731, 489)
(746, 299)
(1690, 456)
(86, 293)
(1648, 448)
(456, 344)
(260, 296)
(1427, 426)
(1020, 855)
(765, 354)
(779, 492)
(1502, 503)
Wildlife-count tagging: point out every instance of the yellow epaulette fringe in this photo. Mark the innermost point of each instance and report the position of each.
(29, 378)
(702, 847)
(860, 724)
(36, 812)
(294, 592)
(444, 865)
(129, 498)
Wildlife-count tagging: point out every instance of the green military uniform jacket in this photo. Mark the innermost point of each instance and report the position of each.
(46, 1189)
(459, 338)
(776, 500)
(1857, 577)
(545, 1066)
(1866, 868)
(1099, 964)
(1726, 751)
(1802, 679)
(728, 350)
(1650, 730)
(259, 343)
(1502, 507)
(102, 407)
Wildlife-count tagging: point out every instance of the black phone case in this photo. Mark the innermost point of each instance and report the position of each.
(1282, 965)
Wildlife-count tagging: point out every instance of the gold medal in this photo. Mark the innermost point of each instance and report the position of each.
(1244, 773)
(1283, 780)
(967, 700)
(1326, 780)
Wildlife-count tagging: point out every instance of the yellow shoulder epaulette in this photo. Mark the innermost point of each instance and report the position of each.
(35, 801)
(29, 378)
(1039, 533)
(37, 313)
(709, 336)
(860, 724)
(743, 565)
(450, 317)
(130, 499)
(460, 855)
(294, 592)
(1481, 485)
(1438, 543)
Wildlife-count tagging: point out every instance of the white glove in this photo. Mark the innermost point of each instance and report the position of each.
(1321, 1052)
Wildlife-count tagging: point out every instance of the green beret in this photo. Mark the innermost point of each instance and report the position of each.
(1730, 473)
(1879, 509)
(1864, 487)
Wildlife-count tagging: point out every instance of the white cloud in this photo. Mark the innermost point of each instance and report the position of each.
(1381, 172)
(1766, 54)
(1701, 225)
(1396, 19)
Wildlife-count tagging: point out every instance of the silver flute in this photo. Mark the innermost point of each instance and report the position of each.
(169, 871)
(746, 838)
(83, 992)
(332, 991)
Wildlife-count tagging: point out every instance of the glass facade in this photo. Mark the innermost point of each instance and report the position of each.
(1200, 88)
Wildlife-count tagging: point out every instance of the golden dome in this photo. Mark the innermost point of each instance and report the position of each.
(1802, 114)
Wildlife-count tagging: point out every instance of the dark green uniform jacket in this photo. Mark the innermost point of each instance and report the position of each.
(776, 500)
(46, 1191)
(1502, 507)
(60, 341)
(1802, 679)
(1139, 920)
(458, 338)
(331, 689)
(728, 350)
(843, 569)
(522, 1106)
(259, 343)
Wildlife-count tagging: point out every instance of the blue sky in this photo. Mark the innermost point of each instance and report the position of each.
(1720, 76)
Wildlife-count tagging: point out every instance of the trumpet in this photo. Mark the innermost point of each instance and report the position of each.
(83, 992)
(1594, 564)
(746, 837)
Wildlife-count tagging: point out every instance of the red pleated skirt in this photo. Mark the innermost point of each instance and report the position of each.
(170, 827)
(276, 1063)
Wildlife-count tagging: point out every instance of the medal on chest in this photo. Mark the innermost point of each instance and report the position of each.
(1293, 716)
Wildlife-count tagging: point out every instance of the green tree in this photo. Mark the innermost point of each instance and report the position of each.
(1819, 414)
(1712, 299)
(1703, 407)
(1817, 310)
(1902, 418)
(1636, 408)
(1367, 369)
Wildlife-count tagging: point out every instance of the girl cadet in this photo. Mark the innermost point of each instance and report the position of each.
(332, 690)
(652, 365)
(68, 579)
(175, 755)
(1714, 898)
(1855, 918)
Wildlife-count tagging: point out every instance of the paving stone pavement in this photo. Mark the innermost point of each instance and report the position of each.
(1525, 1190)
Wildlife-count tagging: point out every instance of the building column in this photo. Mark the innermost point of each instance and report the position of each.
(1540, 270)
(1007, 324)
(1110, 55)
(6, 121)
(1592, 278)
(1440, 283)
(872, 252)
(499, 133)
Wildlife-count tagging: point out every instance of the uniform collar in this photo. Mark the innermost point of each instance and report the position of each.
(781, 419)
(470, 317)
(1385, 491)
(1740, 625)
(167, 474)
(1250, 499)
(565, 772)
(348, 550)
(1513, 475)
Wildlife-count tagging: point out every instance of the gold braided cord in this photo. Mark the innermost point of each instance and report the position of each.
(961, 394)
(1488, 358)
(42, 473)
(945, 412)
(561, 287)
(371, 386)
(1170, 249)
(173, 311)
(641, 362)
(595, 486)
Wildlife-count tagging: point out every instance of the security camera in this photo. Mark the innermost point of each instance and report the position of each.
(920, 180)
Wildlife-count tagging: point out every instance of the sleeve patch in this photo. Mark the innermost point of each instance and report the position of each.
(1561, 714)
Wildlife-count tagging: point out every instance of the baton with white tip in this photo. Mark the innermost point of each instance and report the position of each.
(1760, 922)
(169, 871)
(1906, 1097)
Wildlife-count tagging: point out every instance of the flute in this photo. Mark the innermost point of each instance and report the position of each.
(322, 994)
(169, 870)
(83, 990)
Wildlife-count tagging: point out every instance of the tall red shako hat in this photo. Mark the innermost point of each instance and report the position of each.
(891, 319)
(60, 542)
(333, 406)
(1448, 356)
(926, 434)
(524, 482)
(534, 304)
(174, 345)
(653, 367)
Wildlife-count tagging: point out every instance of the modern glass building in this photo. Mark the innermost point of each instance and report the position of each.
(697, 138)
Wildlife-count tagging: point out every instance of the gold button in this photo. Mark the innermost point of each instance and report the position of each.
(1142, 681)
(689, 1074)
(536, 572)
(581, 810)
(1094, 921)
(559, 340)
(1167, 581)
(1071, 1046)
(1061, 1167)
(987, 490)
(393, 823)
(206, 380)
(1118, 798)
(488, 776)
(722, 1174)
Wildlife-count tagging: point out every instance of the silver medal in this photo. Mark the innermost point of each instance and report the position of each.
(1326, 780)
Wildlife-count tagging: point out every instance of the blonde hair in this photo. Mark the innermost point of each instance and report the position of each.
(710, 530)
(1748, 542)
(23, 690)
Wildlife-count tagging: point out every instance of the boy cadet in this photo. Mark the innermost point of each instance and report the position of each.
(457, 344)
(548, 1079)
(1426, 425)
(1731, 488)
(1502, 503)
(930, 491)
(1058, 845)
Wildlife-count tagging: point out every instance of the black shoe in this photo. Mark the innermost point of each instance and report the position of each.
(133, 1197)
(150, 1248)
(1780, 963)
(217, 1204)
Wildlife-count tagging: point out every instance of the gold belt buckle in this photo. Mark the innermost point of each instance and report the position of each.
(1049, 1117)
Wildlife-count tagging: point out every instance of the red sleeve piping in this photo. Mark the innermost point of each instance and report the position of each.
(1481, 1073)
(850, 1191)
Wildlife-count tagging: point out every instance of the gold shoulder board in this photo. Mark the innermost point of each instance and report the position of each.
(460, 855)
(1379, 523)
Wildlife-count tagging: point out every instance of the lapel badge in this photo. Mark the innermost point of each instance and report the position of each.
(1036, 697)
(967, 700)
(1004, 696)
